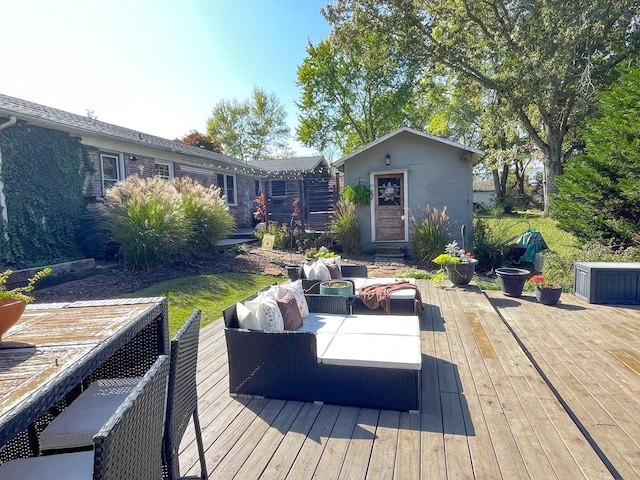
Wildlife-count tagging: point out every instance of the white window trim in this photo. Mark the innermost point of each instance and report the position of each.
(234, 201)
(168, 164)
(120, 172)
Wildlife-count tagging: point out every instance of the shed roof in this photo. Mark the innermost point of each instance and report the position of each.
(484, 186)
(413, 131)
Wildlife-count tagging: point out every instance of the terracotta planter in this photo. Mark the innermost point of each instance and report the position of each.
(333, 287)
(512, 280)
(10, 311)
(548, 296)
(461, 273)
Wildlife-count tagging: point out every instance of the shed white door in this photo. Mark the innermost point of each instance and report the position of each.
(389, 207)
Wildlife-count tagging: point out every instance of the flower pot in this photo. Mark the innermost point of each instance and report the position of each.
(333, 287)
(293, 272)
(10, 311)
(548, 296)
(512, 280)
(461, 273)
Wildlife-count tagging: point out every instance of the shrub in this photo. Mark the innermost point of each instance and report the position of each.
(206, 214)
(359, 194)
(430, 234)
(346, 227)
(280, 232)
(488, 245)
(155, 221)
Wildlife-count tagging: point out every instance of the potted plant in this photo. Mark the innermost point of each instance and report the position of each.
(456, 265)
(512, 280)
(344, 288)
(546, 292)
(359, 194)
(14, 301)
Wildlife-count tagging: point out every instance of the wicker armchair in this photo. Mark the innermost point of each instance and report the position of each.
(128, 446)
(74, 428)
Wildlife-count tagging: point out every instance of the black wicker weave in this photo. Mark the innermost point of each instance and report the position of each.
(285, 365)
(129, 445)
(129, 353)
(182, 396)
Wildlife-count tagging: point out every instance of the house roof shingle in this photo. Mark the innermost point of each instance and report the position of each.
(79, 125)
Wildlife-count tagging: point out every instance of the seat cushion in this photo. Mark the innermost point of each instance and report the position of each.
(381, 351)
(87, 414)
(381, 325)
(322, 323)
(323, 340)
(67, 466)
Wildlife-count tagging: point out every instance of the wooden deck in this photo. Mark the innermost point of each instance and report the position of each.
(511, 389)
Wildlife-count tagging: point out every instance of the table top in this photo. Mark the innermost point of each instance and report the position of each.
(53, 341)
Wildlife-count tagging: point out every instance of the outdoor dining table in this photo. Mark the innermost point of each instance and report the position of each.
(54, 348)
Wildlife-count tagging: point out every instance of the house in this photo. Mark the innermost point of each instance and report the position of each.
(118, 152)
(308, 179)
(484, 194)
(406, 171)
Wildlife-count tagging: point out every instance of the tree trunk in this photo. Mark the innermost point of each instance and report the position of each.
(552, 168)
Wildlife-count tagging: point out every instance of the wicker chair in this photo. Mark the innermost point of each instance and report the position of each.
(128, 446)
(74, 428)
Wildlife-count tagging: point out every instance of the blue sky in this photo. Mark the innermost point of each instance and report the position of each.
(158, 66)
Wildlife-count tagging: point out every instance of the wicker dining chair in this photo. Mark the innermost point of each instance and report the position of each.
(128, 446)
(75, 426)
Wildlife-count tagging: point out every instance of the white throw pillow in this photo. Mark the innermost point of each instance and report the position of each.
(309, 271)
(298, 293)
(246, 317)
(269, 314)
(329, 260)
(322, 272)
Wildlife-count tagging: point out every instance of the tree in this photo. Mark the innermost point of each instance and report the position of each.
(599, 192)
(353, 92)
(255, 128)
(540, 56)
(196, 139)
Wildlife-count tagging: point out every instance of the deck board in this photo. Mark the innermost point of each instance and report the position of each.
(497, 375)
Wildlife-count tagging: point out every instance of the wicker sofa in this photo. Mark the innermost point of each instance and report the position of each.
(403, 302)
(335, 357)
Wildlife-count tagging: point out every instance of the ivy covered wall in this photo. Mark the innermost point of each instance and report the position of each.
(45, 173)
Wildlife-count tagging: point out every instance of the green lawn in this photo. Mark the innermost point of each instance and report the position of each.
(209, 293)
(511, 226)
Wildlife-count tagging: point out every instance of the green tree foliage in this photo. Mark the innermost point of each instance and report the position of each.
(197, 139)
(353, 92)
(543, 58)
(599, 193)
(255, 128)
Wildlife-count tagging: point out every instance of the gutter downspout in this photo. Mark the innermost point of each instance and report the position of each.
(3, 200)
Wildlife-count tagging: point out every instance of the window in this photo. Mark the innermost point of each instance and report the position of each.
(278, 188)
(111, 170)
(227, 184)
(164, 170)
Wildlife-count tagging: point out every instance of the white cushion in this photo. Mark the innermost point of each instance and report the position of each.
(246, 317)
(309, 271)
(322, 272)
(321, 323)
(381, 351)
(87, 414)
(329, 260)
(322, 341)
(298, 293)
(67, 466)
(269, 314)
(381, 325)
